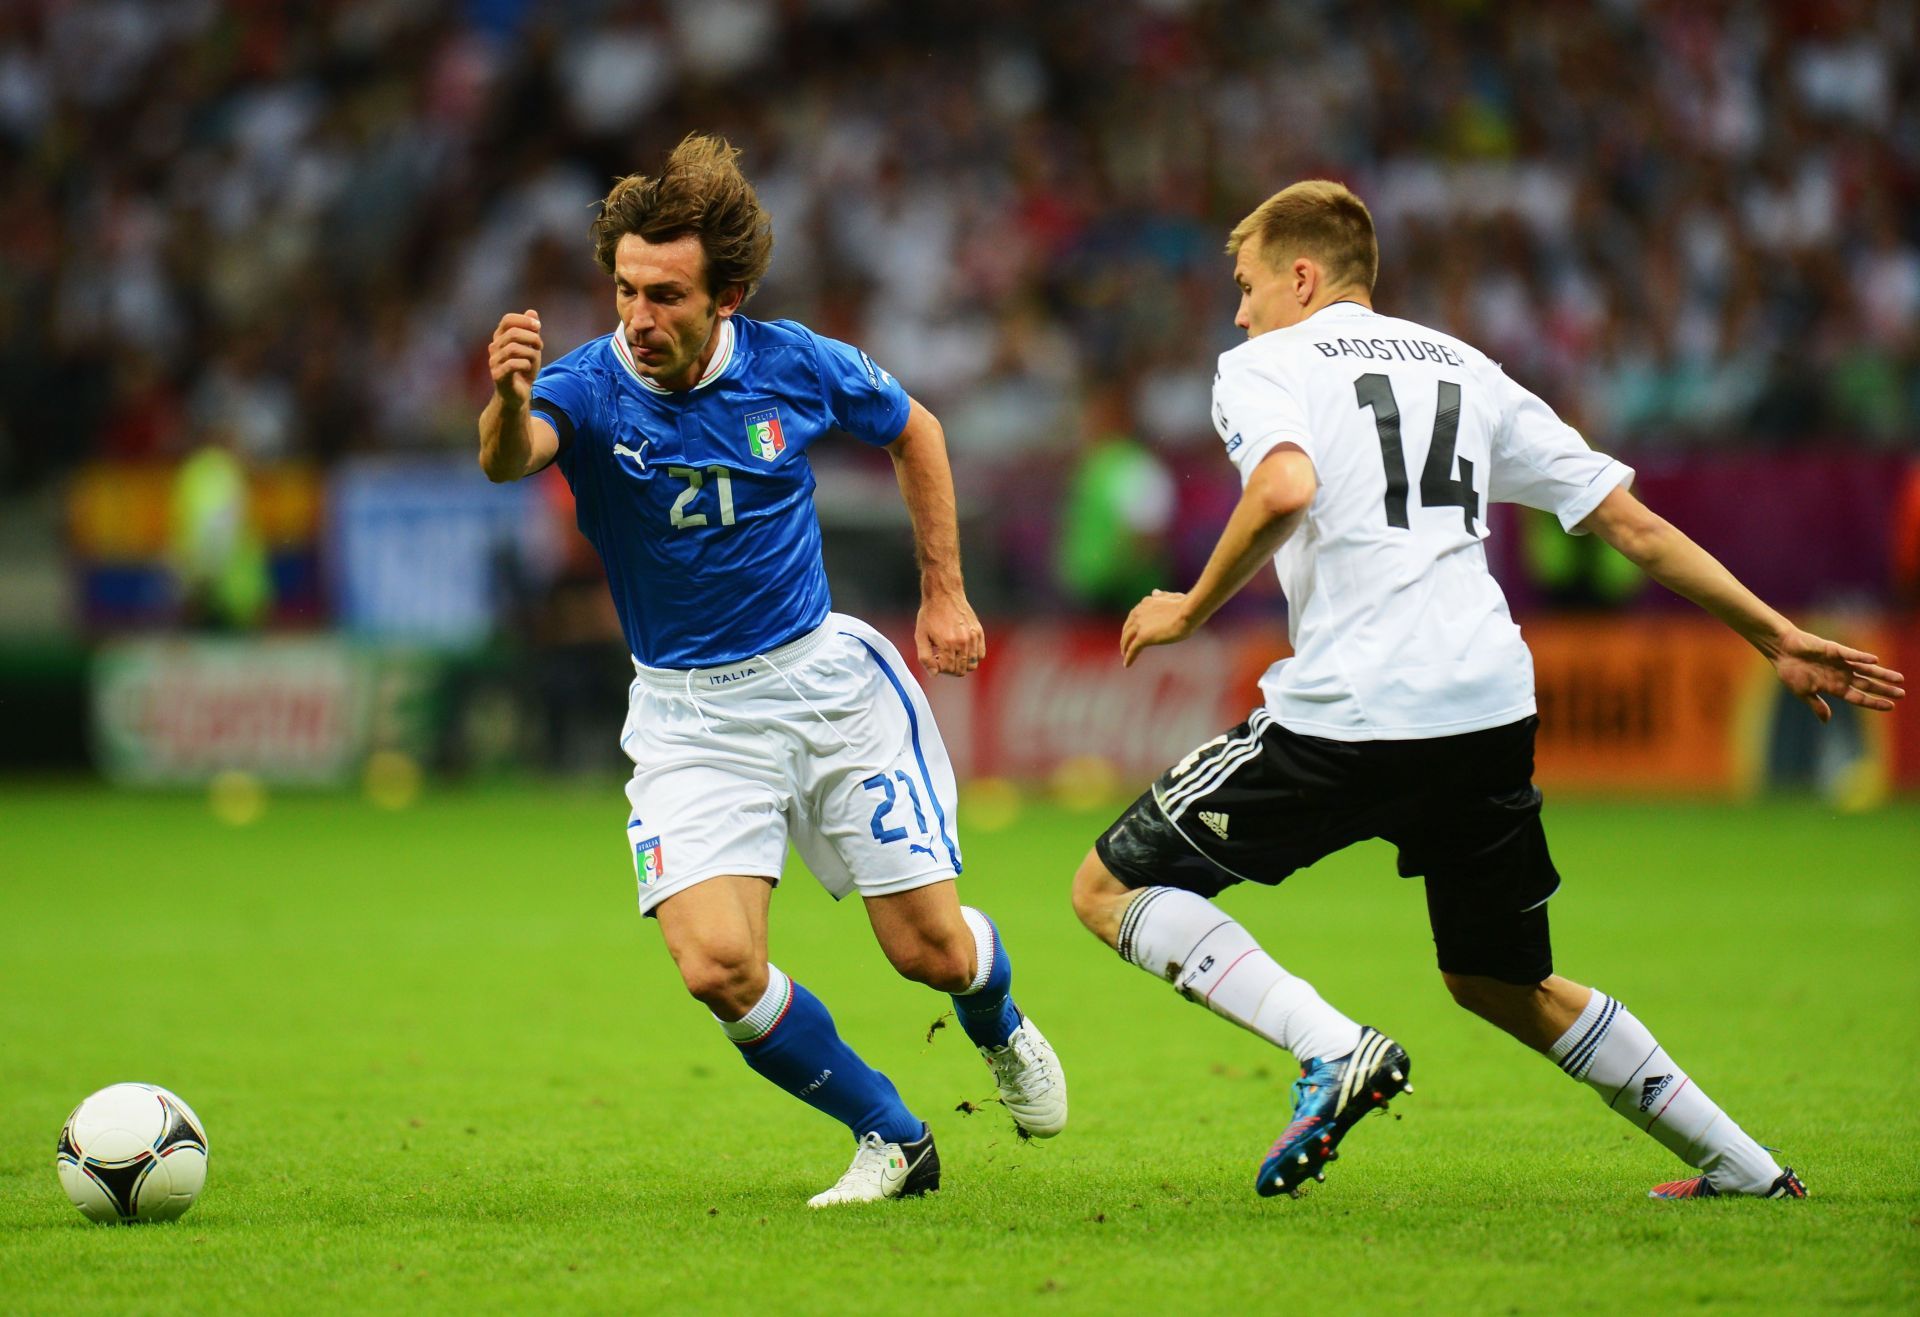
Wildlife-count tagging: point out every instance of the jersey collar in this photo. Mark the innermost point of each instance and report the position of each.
(1343, 308)
(722, 358)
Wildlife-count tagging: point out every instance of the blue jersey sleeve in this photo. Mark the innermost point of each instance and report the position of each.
(564, 395)
(866, 402)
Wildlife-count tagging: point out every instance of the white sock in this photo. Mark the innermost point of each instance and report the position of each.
(767, 1012)
(1194, 945)
(982, 929)
(1613, 1054)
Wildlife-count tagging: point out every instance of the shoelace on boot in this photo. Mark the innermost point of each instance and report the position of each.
(1019, 1061)
(869, 1163)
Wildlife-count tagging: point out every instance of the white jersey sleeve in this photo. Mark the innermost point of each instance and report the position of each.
(1542, 462)
(1256, 410)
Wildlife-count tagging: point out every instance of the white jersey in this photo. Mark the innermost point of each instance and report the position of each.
(1399, 631)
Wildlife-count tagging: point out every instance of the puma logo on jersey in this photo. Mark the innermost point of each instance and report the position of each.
(1216, 822)
(621, 450)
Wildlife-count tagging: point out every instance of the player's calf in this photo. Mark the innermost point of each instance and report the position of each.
(1611, 1052)
(1100, 899)
(1210, 959)
(925, 935)
(941, 966)
(1534, 1013)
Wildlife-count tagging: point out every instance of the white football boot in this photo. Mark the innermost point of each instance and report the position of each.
(885, 1170)
(1033, 1088)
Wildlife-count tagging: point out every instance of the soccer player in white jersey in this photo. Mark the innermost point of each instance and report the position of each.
(758, 715)
(1369, 448)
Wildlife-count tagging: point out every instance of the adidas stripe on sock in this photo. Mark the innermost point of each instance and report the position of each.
(1613, 1053)
(1209, 958)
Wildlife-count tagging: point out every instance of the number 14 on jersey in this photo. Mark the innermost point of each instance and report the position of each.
(1438, 487)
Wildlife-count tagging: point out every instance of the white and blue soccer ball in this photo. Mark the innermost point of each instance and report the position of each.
(132, 1152)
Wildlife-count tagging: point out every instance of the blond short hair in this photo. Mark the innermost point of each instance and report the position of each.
(1320, 220)
(701, 191)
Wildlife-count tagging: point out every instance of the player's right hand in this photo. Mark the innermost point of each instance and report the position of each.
(1159, 619)
(514, 357)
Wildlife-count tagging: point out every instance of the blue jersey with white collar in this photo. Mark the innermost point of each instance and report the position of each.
(700, 502)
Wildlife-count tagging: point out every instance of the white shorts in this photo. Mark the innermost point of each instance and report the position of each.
(827, 740)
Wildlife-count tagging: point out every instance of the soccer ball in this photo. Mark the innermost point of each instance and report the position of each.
(132, 1152)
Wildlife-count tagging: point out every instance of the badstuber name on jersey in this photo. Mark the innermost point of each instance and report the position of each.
(1390, 349)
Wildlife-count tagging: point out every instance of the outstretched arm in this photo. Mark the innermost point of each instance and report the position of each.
(1806, 664)
(947, 634)
(1271, 508)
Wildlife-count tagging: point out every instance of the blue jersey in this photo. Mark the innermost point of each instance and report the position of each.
(700, 501)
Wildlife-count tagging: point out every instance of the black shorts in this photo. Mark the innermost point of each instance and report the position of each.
(1261, 801)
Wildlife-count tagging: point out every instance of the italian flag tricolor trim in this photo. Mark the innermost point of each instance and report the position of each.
(759, 1014)
(722, 357)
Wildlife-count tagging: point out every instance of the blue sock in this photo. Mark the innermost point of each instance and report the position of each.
(986, 1009)
(789, 1038)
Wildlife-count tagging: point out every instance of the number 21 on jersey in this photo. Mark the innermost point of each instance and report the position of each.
(696, 479)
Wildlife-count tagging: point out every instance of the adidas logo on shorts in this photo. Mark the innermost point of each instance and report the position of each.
(1216, 823)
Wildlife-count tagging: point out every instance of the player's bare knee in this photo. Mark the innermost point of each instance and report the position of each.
(1514, 1007)
(1476, 994)
(947, 966)
(726, 980)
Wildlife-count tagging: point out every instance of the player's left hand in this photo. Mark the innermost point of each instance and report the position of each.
(948, 636)
(1159, 619)
(1811, 667)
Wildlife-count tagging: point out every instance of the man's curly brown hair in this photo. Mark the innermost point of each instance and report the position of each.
(701, 191)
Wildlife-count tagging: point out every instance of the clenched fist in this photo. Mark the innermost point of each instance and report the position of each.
(514, 358)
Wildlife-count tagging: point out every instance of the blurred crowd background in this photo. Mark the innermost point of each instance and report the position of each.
(296, 223)
(274, 236)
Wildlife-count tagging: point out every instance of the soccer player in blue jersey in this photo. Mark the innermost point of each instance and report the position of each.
(757, 714)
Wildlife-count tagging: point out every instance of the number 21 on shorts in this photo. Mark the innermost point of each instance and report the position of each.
(883, 832)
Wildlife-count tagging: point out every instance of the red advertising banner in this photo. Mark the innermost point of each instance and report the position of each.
(1645, 704)
(1048, 696)
(1628, 704)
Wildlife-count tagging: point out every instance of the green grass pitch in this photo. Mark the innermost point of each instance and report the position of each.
(444, 1066)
